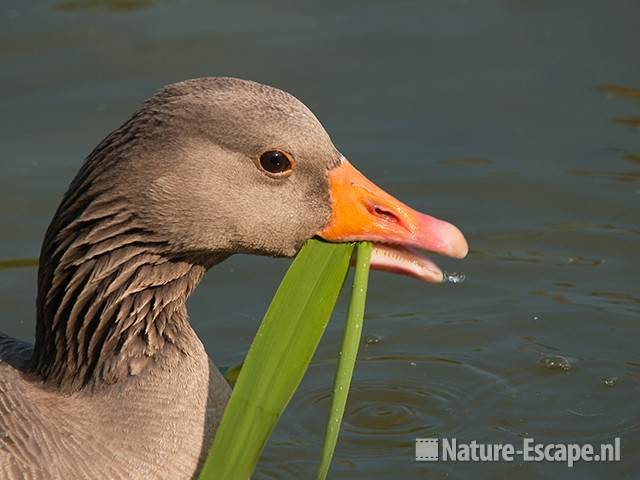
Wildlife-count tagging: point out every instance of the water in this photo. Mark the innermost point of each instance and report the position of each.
(515, 120)
(454, 277)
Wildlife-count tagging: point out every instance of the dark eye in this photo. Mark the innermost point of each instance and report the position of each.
(276, 163)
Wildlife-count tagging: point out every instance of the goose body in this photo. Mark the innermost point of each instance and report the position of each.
(117, 384)
(157, 424)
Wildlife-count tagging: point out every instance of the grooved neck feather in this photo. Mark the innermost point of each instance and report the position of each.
(110, 299)
(111, 294)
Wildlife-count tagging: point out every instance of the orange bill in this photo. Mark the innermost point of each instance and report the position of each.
(362, 211)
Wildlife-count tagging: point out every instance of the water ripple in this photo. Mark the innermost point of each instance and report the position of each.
(399, 402)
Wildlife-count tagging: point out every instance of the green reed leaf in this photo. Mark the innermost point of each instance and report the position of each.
(278, 358)
(348, 354)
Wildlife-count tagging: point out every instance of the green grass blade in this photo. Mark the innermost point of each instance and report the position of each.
(348, 354)
(278, 358)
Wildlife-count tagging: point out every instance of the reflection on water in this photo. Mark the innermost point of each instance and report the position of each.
(102, 5)
(632, 157)
(618, 297)
(556, 363)
(559, 298)
(630, 121)
(579, 260)
(467, 162)
(533, 256)
(601, 300)
(620, 91)
(627, 176)
(18, 263)
(370, 340)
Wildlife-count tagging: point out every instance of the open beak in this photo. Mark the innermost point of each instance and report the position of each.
(362, 211)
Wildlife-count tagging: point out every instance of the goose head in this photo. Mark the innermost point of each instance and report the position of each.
(219, 166)
(205, 169)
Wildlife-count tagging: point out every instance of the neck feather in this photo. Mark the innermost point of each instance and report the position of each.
(109, 300)
(111, 295)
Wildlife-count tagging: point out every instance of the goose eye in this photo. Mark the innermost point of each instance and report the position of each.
(276, 163)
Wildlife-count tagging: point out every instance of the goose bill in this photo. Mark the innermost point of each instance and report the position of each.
(362, 211)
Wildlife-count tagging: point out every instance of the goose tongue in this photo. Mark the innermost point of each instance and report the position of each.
(362, 211)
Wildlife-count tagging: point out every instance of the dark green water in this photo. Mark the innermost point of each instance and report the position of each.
(516, 120)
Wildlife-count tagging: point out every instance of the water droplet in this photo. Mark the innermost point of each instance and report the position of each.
(453, 277)
(373, 340)
(609, 381)
(556, 363)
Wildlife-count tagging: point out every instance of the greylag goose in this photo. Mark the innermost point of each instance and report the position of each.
(117, 384)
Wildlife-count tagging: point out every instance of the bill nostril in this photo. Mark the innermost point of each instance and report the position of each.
(385, 214)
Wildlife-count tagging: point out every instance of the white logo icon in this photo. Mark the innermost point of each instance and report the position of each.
(426, 449)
